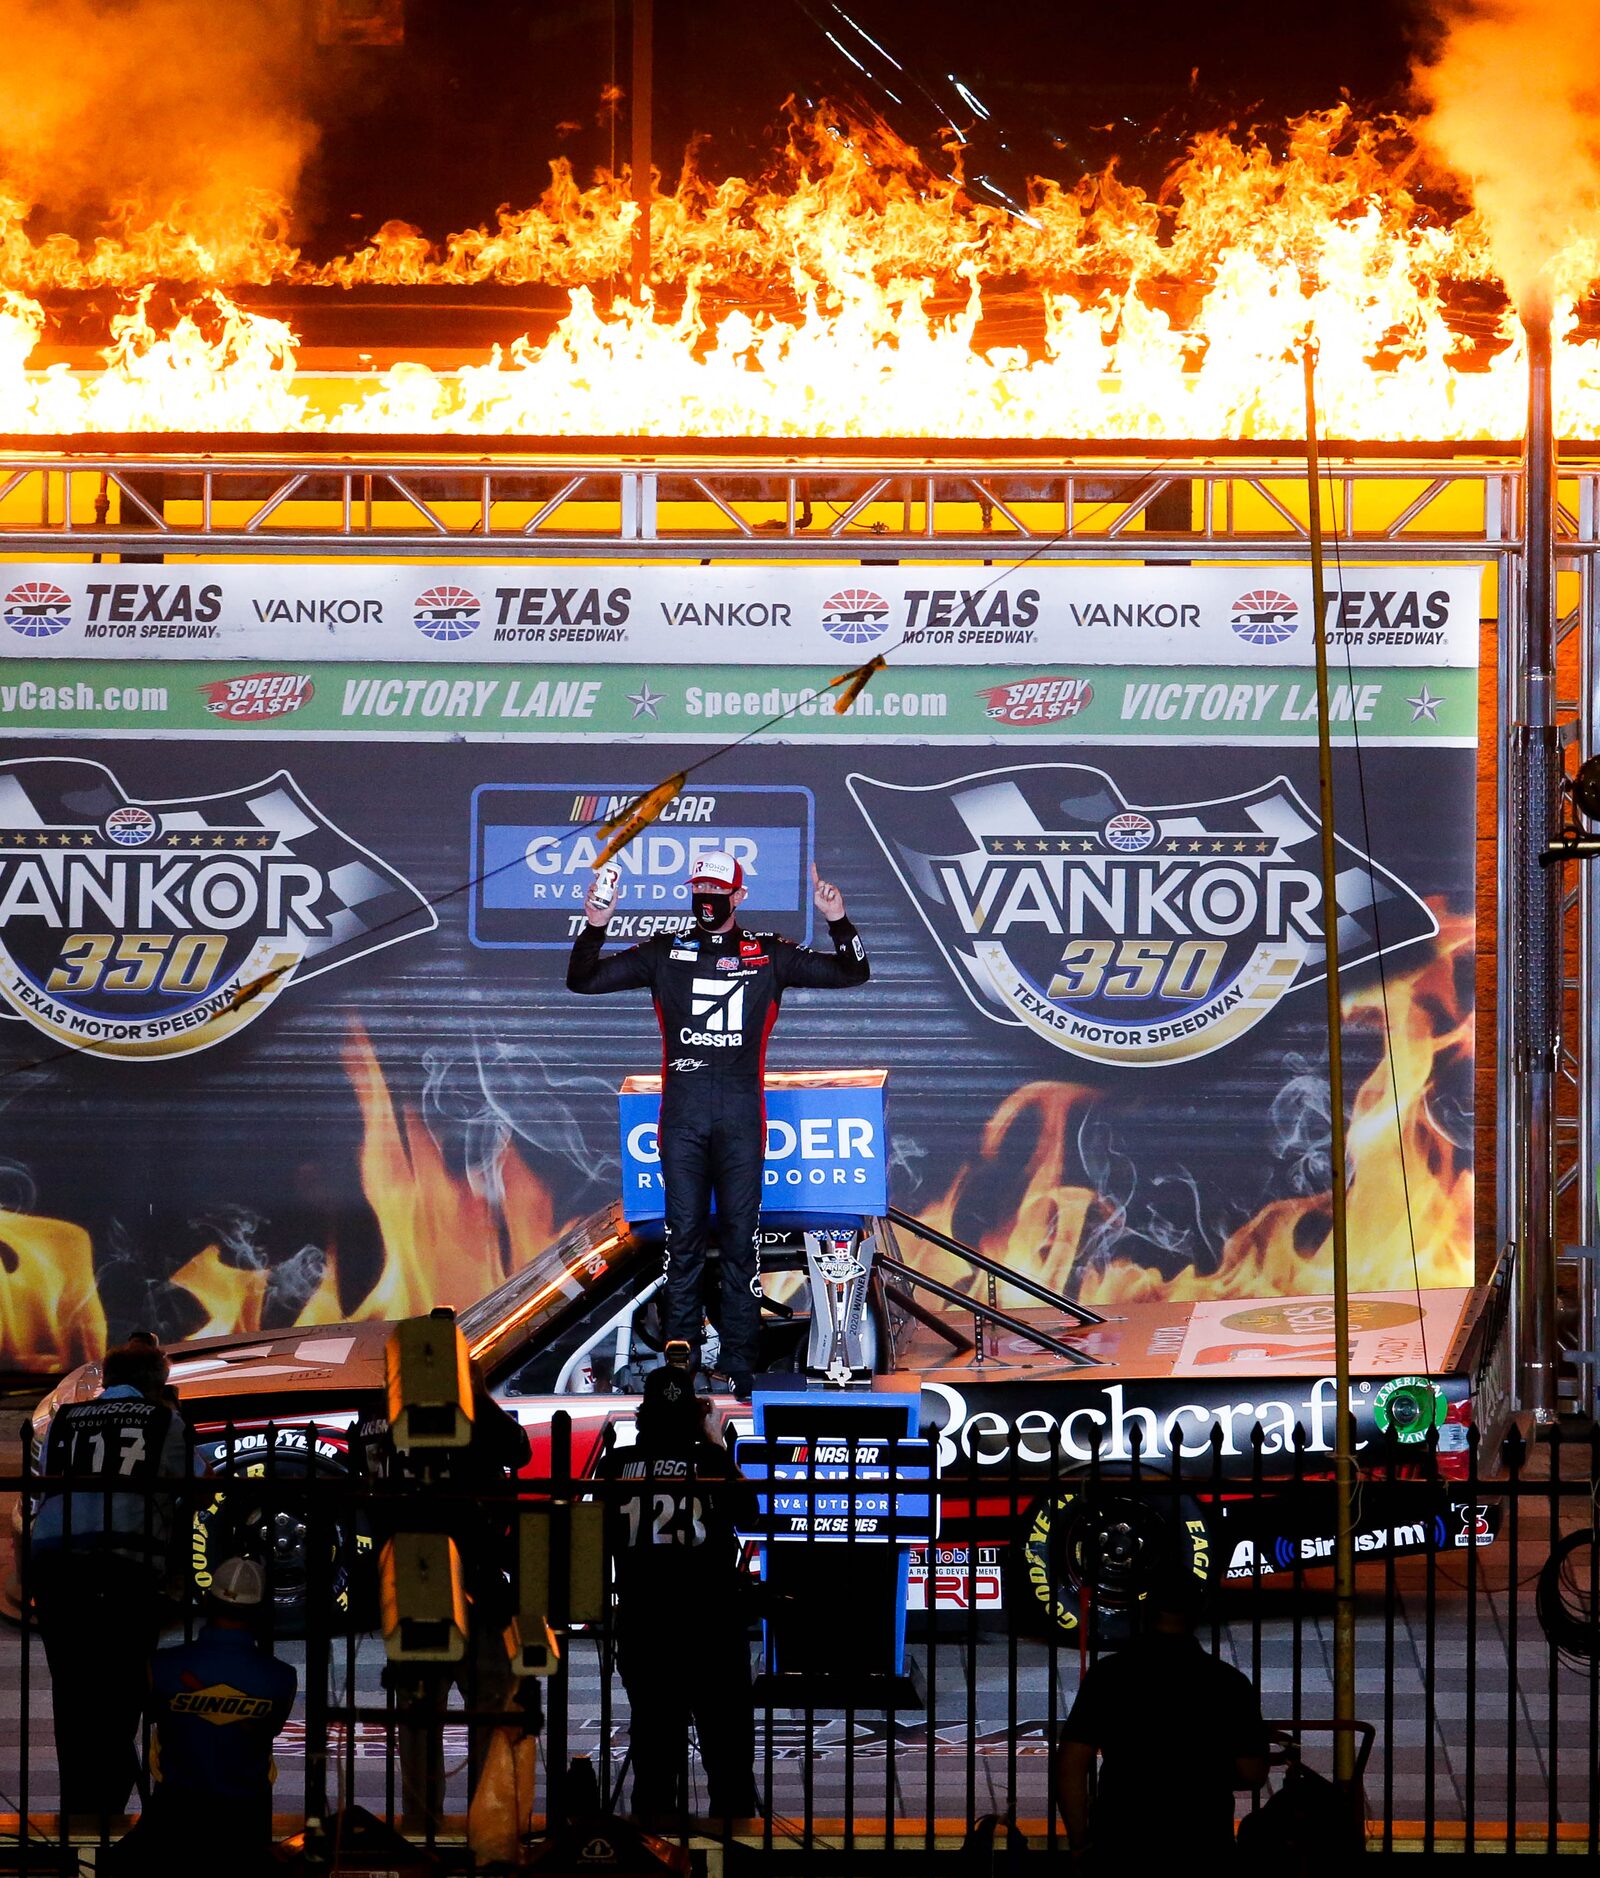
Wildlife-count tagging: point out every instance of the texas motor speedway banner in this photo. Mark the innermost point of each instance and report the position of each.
(284, 904)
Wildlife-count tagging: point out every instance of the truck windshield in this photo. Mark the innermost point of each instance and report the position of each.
(564, 1272)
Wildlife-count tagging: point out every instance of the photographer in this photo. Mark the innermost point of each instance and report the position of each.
(681, 1613)
(1178, 1732)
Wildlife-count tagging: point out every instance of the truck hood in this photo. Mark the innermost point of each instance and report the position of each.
(341, 1358)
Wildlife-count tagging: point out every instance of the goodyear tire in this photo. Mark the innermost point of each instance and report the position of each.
(226, 1526)
(1094, 1545)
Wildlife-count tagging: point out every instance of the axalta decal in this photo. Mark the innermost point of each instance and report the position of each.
(257, 696)
(1128, 933)
(152, 929)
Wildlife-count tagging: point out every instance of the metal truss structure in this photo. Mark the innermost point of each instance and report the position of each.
(343, 498)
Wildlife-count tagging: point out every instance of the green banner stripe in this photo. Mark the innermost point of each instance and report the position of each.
(707, 703)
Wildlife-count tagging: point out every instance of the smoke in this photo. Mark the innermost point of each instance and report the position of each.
(1511, 90)
(177, 109)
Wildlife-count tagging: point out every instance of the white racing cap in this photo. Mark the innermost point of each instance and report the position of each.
(717, 870)
(238, 1581)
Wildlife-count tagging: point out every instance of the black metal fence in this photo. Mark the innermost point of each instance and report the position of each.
(1478, 1653)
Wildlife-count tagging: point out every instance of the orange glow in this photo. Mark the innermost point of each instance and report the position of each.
(867, 279)
(446, 1240)
(233, 1297)
(583, 1262)
(50, 1311)
(1048, 1227)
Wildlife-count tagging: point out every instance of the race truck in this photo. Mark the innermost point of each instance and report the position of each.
(1071, 1445)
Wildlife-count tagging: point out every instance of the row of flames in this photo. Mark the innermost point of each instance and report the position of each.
(860, 294)
(445, 1239)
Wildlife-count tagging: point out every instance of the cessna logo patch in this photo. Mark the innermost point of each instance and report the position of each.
(1128, 934)
(718, 1005)
(154, 929)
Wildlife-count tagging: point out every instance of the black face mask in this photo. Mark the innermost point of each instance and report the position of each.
(712, 910)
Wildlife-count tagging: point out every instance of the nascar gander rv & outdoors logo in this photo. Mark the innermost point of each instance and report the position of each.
(1127, 933)
(155, 929)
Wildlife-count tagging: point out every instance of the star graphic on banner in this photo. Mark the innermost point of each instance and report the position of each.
(644, 700)
(1425, 704)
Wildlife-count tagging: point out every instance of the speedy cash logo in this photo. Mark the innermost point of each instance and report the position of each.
(257, 696)
(1121, 933)
(151, 929)
(1033, 701)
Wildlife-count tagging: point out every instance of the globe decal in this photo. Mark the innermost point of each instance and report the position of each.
(855, 616)
(37, 609)
(446, 615)
(1265, 617)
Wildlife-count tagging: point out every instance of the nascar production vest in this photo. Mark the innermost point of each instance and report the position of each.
(670, 1530)
(112, 1451)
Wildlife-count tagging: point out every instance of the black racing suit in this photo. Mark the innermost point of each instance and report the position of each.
(716, 997)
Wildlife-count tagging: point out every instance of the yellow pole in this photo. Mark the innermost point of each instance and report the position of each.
(1344, 1461)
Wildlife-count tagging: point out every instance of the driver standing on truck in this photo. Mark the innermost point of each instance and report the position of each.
(717, 989)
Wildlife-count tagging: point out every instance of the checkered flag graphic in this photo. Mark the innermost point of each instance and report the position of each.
(973, 821)
(364, 903)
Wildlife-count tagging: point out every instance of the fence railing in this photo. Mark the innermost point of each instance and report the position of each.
(1478, 1647)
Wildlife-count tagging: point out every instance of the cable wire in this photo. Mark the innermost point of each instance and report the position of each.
(247, 993)
(1334, 535)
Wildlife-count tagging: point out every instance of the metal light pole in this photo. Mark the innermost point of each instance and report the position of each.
(1344, 1460)
(640, 115)
(1536, 821)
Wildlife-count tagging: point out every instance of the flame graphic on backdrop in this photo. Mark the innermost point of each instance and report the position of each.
(1068, 1234)
(445, 1241)
(448, 1238)
(49, 1306)
(867, 273)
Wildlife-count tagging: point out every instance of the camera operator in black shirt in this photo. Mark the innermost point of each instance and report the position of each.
(681, 1611)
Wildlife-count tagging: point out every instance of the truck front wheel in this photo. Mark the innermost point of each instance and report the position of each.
(1097, 1543)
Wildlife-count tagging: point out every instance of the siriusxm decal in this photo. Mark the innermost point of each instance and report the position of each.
(534, 847)
(1126, 933)
(825, 1153)
(155, 929)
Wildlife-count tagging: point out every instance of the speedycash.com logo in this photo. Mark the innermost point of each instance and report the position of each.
(1128, 933)
(152, 929)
